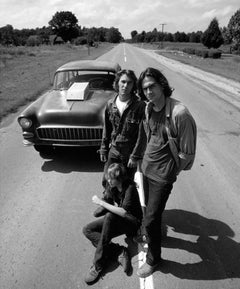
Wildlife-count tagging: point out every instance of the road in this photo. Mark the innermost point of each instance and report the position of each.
(44, 203)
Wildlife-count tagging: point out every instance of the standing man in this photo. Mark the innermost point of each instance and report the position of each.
(166, 121)
(123, 115)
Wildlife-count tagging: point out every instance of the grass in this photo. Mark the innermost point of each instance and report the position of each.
(227, 66)
(27, 72)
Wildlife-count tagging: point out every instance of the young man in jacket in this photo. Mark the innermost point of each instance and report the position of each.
(123, 115)
(160, 164)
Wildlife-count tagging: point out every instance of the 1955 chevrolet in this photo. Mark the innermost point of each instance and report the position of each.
(71, 114)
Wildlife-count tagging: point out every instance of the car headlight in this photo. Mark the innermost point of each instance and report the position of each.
(25, 122)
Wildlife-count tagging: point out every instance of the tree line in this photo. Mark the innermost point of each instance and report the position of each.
(64, 25)
(212, 37)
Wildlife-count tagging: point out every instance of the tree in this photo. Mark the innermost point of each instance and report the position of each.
(168, 37)
(113, 35)
(6, 35)
(133, 33)
(226, 35)
(102, 34)
(212, 37)
(64, 24)
(192, 37)
(177, 36)
(141, 36)
(234, 29)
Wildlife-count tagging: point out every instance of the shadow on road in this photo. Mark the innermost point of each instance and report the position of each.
(219, 253)
(113, 263)
(67, 160)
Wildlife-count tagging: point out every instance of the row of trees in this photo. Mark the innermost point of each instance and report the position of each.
(63, 24)
(212, 37)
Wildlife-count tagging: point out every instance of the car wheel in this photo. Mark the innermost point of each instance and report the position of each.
(43, 149)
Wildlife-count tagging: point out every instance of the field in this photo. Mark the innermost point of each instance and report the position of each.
(26, 72)
(227, 66)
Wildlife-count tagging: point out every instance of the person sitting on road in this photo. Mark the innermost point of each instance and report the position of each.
(123, 215)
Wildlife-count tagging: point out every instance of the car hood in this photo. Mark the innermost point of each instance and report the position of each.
(57, 110)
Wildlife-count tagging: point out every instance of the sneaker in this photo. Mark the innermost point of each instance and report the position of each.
(92, 275)
(146, 270)
(124, 260)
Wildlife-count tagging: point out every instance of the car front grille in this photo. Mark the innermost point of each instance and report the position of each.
(69, 134)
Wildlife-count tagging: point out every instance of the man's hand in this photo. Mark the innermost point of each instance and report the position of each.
(96, 200)
(103, 158)
(132, 163)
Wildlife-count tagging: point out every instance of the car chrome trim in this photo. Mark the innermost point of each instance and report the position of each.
(27, 143)
(69, 133)
(28, 134)
(90, 65)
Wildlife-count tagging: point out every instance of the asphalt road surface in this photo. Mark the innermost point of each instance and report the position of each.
(45, 202)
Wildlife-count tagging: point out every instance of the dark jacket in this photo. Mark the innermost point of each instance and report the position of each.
(122, 132)
(128, 199)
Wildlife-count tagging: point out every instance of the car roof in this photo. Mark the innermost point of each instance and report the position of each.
(91, 65)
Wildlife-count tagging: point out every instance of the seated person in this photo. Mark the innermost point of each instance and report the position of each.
(123, 215)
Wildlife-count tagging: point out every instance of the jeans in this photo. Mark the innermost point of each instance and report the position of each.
(156, 196)
(101, 232)
(117, 156)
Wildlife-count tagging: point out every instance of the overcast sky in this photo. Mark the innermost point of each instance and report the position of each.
(126, 15)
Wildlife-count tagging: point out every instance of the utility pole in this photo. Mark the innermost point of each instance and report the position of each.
(162, 34)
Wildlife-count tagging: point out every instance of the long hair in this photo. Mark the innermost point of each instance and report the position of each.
(159, 78)
(117, 171)
(130, 74)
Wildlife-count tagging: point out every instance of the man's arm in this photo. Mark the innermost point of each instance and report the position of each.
(106, 136)
(187, 140)
(140, 146)
(111, 208)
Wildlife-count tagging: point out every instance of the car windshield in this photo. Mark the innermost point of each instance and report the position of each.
(96, 80)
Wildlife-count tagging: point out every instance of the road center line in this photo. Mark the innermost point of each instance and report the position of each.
(124, 53)
(145, 283)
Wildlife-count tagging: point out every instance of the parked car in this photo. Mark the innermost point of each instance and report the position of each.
(71, 114)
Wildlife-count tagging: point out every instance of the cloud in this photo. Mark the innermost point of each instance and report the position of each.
(209, 14)
(126, 15)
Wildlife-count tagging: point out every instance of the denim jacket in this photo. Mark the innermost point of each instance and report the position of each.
(122, 132)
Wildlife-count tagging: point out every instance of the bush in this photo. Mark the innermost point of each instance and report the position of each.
(235, 49)
(189, 50)
(80, 41)
(202, 53)
(214, 53)
(33, 41)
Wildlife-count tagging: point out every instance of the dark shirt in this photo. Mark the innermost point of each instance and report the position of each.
(128, 199)
(158, 162)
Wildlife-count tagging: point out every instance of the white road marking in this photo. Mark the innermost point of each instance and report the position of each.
(145, 283)
(124, 53)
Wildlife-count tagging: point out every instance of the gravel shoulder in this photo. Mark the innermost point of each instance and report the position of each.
(229, 89)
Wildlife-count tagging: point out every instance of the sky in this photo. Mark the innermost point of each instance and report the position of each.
(126, 15)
